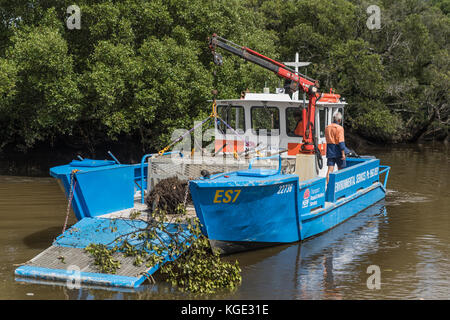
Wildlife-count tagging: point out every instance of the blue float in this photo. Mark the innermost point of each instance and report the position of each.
(66, 261)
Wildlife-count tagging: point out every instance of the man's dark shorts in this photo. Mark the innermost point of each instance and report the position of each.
(340, 163)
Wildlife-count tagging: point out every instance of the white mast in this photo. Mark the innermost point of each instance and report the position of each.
(297, 64)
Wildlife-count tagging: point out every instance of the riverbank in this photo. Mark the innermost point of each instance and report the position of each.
(37, 161)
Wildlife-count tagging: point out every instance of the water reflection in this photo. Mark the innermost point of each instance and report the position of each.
(317, 268)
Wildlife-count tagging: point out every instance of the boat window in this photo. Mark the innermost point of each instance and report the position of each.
(234, 116)
(341, 110)
(265, 120)
(322, 121)
(294, 121)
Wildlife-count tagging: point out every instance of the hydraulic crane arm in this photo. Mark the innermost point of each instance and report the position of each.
(298, 81)
(307, 84)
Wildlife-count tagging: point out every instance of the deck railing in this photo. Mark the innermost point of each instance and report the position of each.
(384, 169)
(143, 164)
(346, 182)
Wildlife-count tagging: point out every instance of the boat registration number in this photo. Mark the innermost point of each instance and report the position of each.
(286, 188)
(228, 196)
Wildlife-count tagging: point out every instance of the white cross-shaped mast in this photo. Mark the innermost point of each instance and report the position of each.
(296, 64)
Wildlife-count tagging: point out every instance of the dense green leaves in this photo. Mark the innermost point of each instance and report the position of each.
(385, 74)
(202, 271)
(185, 259)
(46, 100)
(140, 69)
(135, 68)
(103, 258)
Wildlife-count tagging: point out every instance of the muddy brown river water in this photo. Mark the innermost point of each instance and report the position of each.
(406, 237)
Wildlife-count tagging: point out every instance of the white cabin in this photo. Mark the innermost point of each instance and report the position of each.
(267, 120)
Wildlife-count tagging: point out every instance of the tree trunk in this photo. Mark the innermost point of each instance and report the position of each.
(423, 128)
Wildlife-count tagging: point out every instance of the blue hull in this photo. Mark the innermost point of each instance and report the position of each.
(98, 186)
(341, 211)
(250, 217)
(242, 211)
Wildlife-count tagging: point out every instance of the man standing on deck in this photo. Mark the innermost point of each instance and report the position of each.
(334, 134)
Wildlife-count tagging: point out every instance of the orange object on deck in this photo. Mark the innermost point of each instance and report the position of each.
(295, 148)
(230, 146)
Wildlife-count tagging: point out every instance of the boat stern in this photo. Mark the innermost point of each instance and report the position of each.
(252, 206)
(96, 187)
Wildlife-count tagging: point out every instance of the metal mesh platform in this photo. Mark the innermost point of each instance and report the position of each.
(66, 259)
(190, 168)
(63, 258)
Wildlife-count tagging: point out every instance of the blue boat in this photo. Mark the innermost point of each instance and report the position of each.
(255, 208)
(261, 207)
(238, 208)
(247, 207)
(258, 197)
(99, 187)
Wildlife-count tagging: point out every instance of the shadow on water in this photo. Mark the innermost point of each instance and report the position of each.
(41, 238)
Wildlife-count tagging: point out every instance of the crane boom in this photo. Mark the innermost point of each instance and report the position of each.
(298, 81)
(261, 60)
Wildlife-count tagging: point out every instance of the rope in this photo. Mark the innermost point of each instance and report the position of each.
(186, 194)
(212, 115)
(214, 110)
(182, 136)
(71, 194)
(234, 131)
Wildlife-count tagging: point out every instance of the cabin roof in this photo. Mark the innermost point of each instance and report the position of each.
(272, 97)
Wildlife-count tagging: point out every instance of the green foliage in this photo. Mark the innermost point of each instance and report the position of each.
(356, 71)
(193, 268)
(103, 258)
(8, 74)
(139, 68)
(46, 99)
(377, 122)
(136, 68)
(443, 5)
(201, 271)
(386, 69)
